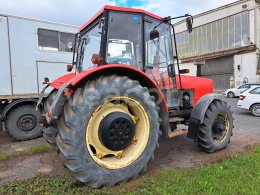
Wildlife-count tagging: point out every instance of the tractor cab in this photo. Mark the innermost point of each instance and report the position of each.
(122, 36)
(135, 38)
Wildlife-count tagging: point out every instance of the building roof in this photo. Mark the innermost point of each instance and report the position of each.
(217, 9)
(116, 8)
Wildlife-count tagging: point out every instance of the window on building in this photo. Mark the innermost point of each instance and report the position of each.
(231, 33)
(200, 41)
(227, 33)
(238, 31)
(214, 37)
(65, 40)
(205, 35)
(220, 35)
(50, 40)
(245, 28)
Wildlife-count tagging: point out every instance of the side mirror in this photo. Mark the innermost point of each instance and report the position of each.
(154, 34)
(69, 68)
(189, 23)
(184, 71)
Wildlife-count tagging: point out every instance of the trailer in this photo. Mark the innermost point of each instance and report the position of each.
(31, 51)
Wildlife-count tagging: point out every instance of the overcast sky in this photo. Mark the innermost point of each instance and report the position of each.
(77, 12)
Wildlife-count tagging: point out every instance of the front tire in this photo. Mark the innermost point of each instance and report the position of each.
(23, 123)
(87, 150)
(216, 130)
(230, 94)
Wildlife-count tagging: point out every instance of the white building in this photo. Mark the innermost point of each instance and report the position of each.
(223, 44)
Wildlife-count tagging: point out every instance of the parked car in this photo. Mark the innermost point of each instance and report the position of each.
(250, 100)
(235, 92)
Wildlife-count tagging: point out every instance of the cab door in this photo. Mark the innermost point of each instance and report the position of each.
(159, 63)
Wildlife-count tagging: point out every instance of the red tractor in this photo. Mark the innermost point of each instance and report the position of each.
(105, 119)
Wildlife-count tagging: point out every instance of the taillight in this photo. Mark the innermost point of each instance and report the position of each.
(242, 97)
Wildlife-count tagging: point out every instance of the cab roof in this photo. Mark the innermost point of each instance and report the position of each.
(116, 8)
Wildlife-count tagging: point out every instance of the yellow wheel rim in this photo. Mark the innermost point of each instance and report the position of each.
(118, 159)
(224, 129)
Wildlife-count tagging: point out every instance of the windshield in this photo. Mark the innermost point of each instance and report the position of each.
(124, 39)
(89, 48)
(244, 87)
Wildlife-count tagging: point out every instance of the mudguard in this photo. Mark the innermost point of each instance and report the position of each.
(198, 113)
(56, 84)
(57, 106)
(14, 104)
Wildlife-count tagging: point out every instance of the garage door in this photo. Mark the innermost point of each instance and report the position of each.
(220, 70)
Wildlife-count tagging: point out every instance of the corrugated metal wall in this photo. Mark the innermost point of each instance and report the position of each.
(220, 70)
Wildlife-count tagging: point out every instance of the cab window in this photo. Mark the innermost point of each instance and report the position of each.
(158, 52)
(89, 48)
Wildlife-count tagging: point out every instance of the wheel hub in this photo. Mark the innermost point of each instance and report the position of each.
(219, 128)
(27, 123)
(116, 131)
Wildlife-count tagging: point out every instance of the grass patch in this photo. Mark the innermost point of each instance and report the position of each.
(36, 149)
(236, 175)
(39, 148)
(5, 155)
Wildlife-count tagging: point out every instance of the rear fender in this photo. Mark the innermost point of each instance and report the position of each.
(198, 114)
(15, 104)
(114, 69)
(57, 83)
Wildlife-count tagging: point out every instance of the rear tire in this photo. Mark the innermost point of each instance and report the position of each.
(23, 123)
(255, 110)
(72, 139)
(49, 133)
(230, 94)
(215, 131)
